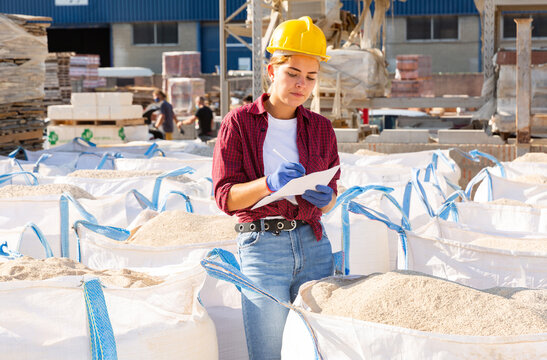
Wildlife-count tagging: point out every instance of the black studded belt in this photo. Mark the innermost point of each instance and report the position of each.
(272, 225)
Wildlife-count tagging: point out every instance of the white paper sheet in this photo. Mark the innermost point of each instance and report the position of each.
(299, 185)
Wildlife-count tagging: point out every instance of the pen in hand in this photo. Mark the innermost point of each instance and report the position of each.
(281, 156)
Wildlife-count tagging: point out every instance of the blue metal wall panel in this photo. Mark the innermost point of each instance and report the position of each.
(113, 11)
(210, 53)
(433, 7)
(421, 7)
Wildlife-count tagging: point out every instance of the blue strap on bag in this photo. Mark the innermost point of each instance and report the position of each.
(81, 141)
(103, 343)
(152, 150)
(19, 149)
(141, 199)
(40, 160)
(39, 235)
(163, 203)
(341, 259)
(482, 175)
(374, 215)
(63, 205)
(28, 175)
(8, 254)
(109, 156)
(217, 266)
(159, 179)
(111, 232)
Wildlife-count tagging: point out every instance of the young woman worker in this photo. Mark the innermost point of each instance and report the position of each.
(260, 147)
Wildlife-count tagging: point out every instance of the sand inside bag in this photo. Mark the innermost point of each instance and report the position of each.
(27, 268)
(177, 227)
(421, 302)
(13, 191)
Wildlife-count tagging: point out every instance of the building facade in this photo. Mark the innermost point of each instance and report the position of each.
(136, 32)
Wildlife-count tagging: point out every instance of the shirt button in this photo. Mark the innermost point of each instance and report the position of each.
(262, 129)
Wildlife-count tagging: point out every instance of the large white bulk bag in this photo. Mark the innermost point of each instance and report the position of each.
(150, 186)
(28, 239)
(55, 214)
(502, 217)
(493, 187)
(363, 243)
(344, 338)
(311, 336)
(445, 249)
(100, 250)
(104, 248)
(48, 320)
(202, 165)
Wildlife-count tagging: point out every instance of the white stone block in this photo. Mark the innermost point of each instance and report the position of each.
(346, 135)
(114, 99)
(85, 113)
(83, 99)
(125, 112)
(103, 112)
(467, 137)
(405, 136)
(59, 112)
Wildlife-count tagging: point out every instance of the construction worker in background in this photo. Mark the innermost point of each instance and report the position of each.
(166, 119)
(260, 148)
(204, 116)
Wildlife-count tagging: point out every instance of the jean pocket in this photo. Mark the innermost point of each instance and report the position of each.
(247, 239)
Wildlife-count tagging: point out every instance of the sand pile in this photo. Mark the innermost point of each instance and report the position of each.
(12, 191)
(177, 227)
(27, 268)
(532, 157)
(417, 301)
(121, 174)
(532, 179)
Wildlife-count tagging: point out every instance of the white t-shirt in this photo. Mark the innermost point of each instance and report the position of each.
(281, 136)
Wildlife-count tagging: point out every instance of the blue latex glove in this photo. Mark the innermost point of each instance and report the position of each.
(320, 197)
(284, 173)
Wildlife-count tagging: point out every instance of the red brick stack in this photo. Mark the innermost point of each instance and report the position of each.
(413, 77)
(84, 73)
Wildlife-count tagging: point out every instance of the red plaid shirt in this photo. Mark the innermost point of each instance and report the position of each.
(238, 159)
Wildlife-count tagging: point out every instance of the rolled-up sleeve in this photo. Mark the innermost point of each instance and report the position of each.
(227, 162)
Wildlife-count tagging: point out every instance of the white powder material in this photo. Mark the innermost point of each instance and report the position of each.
(120, 174)
(511, 202)
(418, 301)
(532, 179)
(13, 191)
(27, 268)
(177, 227)
(532, 157)
(535, 245)
(367, 152)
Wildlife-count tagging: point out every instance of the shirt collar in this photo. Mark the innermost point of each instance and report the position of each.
(258, 107)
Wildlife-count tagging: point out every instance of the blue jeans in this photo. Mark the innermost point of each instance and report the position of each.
(278, 265)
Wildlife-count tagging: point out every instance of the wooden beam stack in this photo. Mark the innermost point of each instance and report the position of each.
(22, 69)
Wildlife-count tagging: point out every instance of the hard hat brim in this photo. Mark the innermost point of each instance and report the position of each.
(272, 49)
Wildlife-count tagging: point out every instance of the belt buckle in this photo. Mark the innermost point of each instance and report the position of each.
(293, 224)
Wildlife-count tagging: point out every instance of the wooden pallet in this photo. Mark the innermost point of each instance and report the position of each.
(124, 122)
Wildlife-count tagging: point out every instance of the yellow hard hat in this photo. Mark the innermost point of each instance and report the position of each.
(299, 36)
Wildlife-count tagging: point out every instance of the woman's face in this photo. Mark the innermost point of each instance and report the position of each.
(293, 81)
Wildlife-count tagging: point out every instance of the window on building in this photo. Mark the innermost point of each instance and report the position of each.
(432, 28)
(155, 34)
(539, 24)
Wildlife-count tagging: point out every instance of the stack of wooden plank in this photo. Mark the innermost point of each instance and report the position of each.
(63, 66)
(413, 77)
(51, 86)
(22, 62)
